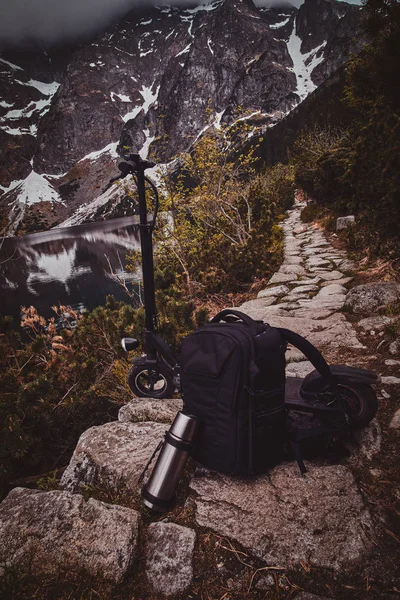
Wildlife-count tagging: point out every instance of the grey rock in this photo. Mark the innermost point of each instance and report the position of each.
(345, 265)
(345, 222)
(169, 556)
(258, 310)
(394, 347)
(279, 290)
(285, 518)
(335, 289)
(265, 583)
(114, 453)
(317, 262)
(53, 531)
(322, 243)
(392, 363)
(300, 289)
(289, 306)
(293, 355)
(395, 422)
(292, 270)
(299, 369)
(329, 275)
(280, 277)
(325, 301)
(293, 260)
(313, 252)
(300, 229)
(332, 331)
(390, 380)
(369, 440)
(150, 409)
(377, 323)
(341, 281)
(308, 281)
(294, 297)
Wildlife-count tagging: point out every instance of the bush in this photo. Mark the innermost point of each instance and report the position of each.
(358, 171)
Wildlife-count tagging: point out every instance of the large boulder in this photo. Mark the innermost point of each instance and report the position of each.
(286, 518)
(114, 454)
(57, 531)
(367, 298)
(169, 556)
(345, 222)
(150, 409)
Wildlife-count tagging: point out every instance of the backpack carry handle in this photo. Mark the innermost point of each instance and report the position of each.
(230, 312)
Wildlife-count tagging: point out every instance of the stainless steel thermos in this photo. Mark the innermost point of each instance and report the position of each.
(158, 492)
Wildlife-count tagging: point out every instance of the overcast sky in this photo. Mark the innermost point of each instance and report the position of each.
(50, 21)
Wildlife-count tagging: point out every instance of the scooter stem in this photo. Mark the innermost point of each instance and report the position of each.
(146, 243)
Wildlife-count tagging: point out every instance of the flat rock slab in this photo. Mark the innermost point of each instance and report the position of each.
(334, 330)
(292, 270)
(308, 281)
(286, 518)
(390, 380)
(278, 290)
(282, 278)
(169, 557)
(334, 289)
(50, 531)
(342, 281)
(150, 409)
(299, 369)
(329, 275)
(114, 453)
(395, 422)
(376, 323)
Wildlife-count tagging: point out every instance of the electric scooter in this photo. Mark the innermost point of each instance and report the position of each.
(156, 374)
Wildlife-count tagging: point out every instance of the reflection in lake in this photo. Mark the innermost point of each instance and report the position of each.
(68, 266)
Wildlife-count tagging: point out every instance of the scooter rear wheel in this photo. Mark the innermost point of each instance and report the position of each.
(150, 382)
(360, 403)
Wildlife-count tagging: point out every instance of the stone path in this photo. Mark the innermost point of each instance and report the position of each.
(283, 519)
(307, 292)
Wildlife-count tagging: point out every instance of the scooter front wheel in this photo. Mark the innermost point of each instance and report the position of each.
(150, 382)
(360, 403)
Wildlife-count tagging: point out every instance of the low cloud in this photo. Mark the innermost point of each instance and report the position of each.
(46, 22)
(43, 23)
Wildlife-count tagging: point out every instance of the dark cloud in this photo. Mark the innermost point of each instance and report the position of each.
(46, 22)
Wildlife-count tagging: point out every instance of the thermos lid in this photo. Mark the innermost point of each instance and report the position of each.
(183, 427)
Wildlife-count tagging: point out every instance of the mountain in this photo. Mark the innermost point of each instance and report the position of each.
(153, 83)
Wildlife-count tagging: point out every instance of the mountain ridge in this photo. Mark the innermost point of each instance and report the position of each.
(147, 83)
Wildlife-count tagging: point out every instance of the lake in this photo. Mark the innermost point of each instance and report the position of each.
(69, 265)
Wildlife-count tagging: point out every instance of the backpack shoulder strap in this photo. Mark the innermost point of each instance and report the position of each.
(314, 356)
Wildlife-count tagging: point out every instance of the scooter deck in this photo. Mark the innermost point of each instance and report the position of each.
(293, 400)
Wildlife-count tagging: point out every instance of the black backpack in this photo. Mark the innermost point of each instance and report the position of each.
(233, 382)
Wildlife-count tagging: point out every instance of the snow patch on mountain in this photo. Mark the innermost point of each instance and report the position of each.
(149, 98)
(110, 148)
(184, 50)
(303, 64)
(10, 64)
(121, 97)
(86, 212)
(34, 188)
(144, 151)
(281, 24)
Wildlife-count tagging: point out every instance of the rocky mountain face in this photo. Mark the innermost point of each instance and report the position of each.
(153, 83)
